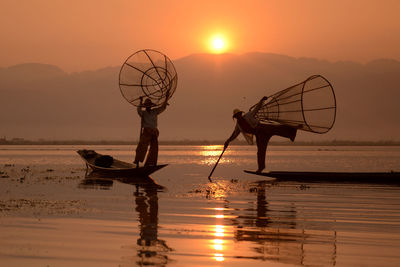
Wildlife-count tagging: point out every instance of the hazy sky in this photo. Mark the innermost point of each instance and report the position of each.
(88, 34)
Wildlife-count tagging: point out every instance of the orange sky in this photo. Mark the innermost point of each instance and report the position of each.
(89, 34)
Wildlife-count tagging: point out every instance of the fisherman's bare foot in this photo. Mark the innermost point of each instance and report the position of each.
(259, 170)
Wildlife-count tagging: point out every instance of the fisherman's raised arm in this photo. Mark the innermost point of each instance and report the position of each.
(139, 108)
(164, 105)
(259, 105)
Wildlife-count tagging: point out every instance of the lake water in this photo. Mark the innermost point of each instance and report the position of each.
(50, 215)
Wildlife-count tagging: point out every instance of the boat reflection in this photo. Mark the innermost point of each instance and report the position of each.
(150, 250)
(97, 180)
(96, 183)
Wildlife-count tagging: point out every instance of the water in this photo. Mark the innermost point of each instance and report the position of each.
(50, 216)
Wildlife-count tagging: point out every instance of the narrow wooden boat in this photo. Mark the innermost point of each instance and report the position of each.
(115, 168)
(338, 177)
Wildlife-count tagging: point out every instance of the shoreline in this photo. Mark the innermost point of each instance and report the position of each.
(201, 142)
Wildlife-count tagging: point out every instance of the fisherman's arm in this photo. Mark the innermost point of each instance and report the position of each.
(164, 105)
(259, 104)
(233, 136)
(139, 108)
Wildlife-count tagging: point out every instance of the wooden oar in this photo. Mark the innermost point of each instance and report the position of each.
(215, 166)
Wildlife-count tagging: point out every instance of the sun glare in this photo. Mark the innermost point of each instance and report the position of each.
(218, 44)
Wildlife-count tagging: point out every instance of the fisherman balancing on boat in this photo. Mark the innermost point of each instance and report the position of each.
(249, 126)
(149, 132)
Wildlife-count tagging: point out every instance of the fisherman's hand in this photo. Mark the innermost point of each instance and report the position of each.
(264, 98)
(141, 100)
(226, 144)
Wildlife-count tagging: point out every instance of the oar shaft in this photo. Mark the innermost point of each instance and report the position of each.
(215, 166)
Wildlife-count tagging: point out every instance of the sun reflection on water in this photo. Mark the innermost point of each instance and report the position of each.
(211, 151)
(218, 244)
(219, 257)
(219, 232)
(217, 191)
(211, 154)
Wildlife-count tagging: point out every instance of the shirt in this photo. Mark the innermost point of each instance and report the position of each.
(245, 126)
(149, 118)
(252, 122)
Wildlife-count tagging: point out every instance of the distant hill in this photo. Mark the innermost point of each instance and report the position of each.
(42, 101)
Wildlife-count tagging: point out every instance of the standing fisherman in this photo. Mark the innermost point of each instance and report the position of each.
(249, 126)
(149, 132)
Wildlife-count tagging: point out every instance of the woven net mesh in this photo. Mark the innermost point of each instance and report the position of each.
(308, 106)
(148, 74)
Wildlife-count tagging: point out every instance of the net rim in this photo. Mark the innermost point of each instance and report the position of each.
(305, 125)
(173, 80)
(334, 101)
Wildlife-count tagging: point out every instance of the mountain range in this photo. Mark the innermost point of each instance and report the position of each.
(43, 101)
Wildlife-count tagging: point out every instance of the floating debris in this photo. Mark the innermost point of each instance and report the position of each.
(195, 191)
(304, 187)
(42, 206)
(27, 169)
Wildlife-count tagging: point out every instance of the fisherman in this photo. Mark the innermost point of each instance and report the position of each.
(149, 132)
(250, 126)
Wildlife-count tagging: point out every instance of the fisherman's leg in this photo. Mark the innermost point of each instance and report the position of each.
(142, 146)
(262, 143)
(286, 131)
(153, 152)
(280, 130)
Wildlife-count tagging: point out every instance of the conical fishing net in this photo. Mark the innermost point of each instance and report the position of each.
(308, 106)
(147, 74)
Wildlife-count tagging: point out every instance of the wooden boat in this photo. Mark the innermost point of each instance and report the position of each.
(336, 177)
(116, 168)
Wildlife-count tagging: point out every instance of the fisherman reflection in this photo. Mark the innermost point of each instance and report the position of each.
(262, 220)
(287, 218)
(268, 228)
(151, 250)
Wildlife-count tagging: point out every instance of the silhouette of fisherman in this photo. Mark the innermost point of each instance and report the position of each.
(149, 132)
(249, 126)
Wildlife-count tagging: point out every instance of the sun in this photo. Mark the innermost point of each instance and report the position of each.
(218, 44)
